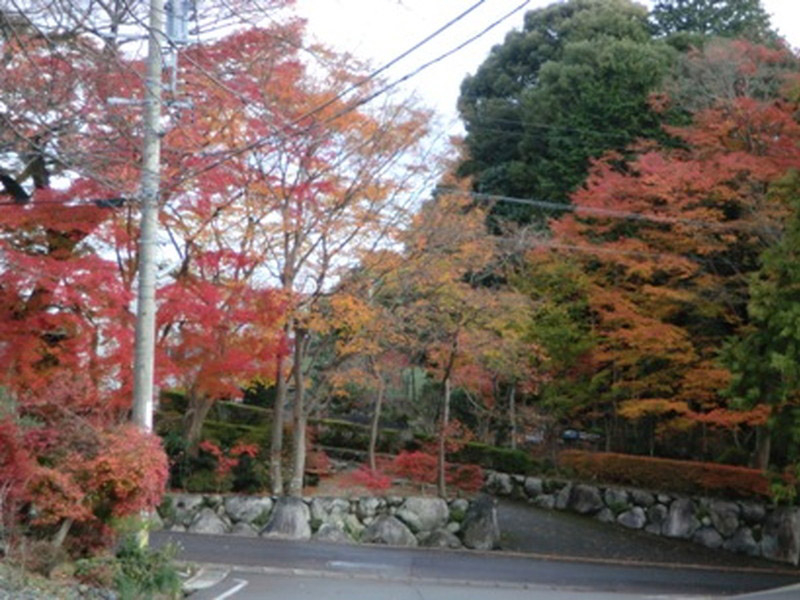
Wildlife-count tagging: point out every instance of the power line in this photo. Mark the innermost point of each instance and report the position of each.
(283, 130)
(543, 204)
(599, 211)
(391, 63)
(430, 63)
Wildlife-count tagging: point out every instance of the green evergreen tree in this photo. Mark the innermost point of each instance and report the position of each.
(691, 20)
(573, 84)
(765, 359)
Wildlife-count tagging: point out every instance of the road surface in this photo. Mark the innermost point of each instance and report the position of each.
(329, 565)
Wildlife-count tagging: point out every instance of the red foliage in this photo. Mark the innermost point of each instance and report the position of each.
(375, 481)
(419, 467)
(318, 461)
(127, 475)
(97, 475)
(16, 467)
(227, 461)
(468, 478)
(664, 474)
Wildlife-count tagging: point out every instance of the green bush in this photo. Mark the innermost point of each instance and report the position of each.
(250, 475)
(505, 460)
(143, 572)
(136, 572)
(335, 433)
(201, 482)
(240, 414)
(228, 434)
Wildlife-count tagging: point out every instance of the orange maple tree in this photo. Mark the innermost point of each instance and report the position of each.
(670, 234)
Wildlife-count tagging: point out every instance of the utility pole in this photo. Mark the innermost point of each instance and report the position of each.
(149, 193)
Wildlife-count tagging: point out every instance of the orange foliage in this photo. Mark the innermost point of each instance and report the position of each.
(660, 474)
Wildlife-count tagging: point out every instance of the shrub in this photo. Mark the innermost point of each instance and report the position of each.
(418, 467)
(679, 476)
(85, 478)
(144, 572)
(250, 475)
(135, 572)
(375, 481)
(468, 478)
(336, 433)
(504, 460)
(240, 414)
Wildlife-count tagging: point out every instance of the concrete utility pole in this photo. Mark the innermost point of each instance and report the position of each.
(149, 194)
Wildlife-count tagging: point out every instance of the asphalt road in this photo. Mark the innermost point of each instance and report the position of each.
(532, 530)
(464, 568)
(243, 585)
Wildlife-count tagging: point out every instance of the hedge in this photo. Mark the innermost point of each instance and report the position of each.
(355, 436)
(228, 434)
(240, 414)
(680, 476)
(505, 460)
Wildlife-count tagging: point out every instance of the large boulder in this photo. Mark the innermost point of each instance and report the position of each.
(440, 538)
(708, 537)
(368, 508)
(681, 521)
(185, 507)
(563, 496)
(657, 514)
(781, 536)
(289, 520)
(533, 486)
(585, 499)
(353, 526)
(642, 498)
(479, 529)
(753, 513)
(742, 542)
(616, 499)
(388, 530)
(606, 515)
(458, 509)
(208, 521)
(423, 514)
(724, 516)
(247, 509)
(330, 510)
(331, 533)
(635, 518)
(500, 484)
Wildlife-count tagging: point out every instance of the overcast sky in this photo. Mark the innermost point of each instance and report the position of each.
(379, 30)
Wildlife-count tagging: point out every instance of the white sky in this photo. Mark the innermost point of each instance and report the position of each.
(379, 30)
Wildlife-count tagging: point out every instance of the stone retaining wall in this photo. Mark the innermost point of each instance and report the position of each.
(747, 527)
(413, 521)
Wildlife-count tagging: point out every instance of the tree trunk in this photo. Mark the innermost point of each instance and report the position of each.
(299, 420)
(374, 426)
(512, 416)
(193, 420)
(62, 532)
(441, 483)
(763, 448)
(276, 444)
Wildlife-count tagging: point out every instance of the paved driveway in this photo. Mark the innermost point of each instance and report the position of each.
(525, 528)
